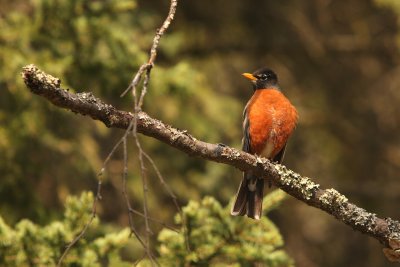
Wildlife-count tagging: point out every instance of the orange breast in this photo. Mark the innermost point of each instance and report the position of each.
(272, 119)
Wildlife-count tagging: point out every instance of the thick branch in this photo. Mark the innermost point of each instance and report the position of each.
(385, 230)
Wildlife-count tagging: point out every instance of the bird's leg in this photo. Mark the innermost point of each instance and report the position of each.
(261, 161)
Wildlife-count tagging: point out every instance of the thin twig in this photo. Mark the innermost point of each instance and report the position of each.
(161, 31)
(155, 220)
(128, 204)
(136, 79)
(172, 195)
(120, 141)
(153, 51)
(97, 198)
(144, 184)
(162, 181)
(83, 231)
(144, 90)
(136, 263)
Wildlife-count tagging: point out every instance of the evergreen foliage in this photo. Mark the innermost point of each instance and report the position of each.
(215, 238)
(213, 235)
(29, 244)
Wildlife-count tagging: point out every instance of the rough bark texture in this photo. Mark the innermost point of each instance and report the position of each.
(385, 230)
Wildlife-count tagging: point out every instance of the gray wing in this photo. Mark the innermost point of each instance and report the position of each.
(246, 145)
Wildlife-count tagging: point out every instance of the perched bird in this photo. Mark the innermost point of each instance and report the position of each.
(269, 120)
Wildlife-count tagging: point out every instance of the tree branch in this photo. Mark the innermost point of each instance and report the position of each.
(385, 230)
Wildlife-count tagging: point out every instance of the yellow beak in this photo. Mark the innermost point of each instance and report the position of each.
(249, 76)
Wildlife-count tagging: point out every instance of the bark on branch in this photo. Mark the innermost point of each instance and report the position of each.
(385, 230)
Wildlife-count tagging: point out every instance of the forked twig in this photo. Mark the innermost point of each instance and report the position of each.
(138, 102)
(145, 68)
(128, 204)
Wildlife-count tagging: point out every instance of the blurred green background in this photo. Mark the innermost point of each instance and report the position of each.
(338, 62)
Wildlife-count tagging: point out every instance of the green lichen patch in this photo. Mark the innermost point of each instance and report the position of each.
(332, 197)
(303, 185)
(360, 217)
(39, 76)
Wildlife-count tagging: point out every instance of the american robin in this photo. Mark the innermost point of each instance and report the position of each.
(269, 120)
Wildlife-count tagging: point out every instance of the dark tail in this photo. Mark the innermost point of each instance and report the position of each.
(249, 197)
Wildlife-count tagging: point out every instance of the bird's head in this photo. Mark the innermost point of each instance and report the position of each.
(263, 78)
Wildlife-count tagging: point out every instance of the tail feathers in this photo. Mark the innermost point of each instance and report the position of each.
(239, 207)
(249, 197)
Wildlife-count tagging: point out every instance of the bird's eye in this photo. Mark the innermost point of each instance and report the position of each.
(263, 76)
